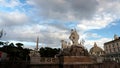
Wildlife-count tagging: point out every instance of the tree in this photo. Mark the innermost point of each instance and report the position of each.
(1, 33)
(19, 45)
(48, 52)
(1, 43)
(16, 53)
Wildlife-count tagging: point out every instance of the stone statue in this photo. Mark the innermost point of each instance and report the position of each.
(74, 49)
(64, 44)
(69, 45)
(74, 37)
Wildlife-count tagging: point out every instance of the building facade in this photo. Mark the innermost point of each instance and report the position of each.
(112, 49)
(97, 53)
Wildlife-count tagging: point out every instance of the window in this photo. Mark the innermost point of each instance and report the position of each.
(117, 44)
(119, 49)
(105, 47)
(112, 45)
(114, 50)
(109, 46)
(110, 51)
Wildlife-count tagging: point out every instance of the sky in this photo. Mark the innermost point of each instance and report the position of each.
(52, 20)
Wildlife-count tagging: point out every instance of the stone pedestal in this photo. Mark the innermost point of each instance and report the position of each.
(34, 57)
(35, 60)
(76, 60)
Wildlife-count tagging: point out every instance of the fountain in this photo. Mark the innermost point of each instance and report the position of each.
(74, 53)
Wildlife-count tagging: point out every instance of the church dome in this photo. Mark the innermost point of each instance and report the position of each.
(96, 50)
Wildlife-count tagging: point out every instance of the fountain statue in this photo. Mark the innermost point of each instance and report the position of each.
(74, 37)
(76, 49)
(75, 52)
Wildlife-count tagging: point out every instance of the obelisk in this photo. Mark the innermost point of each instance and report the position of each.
(35, 55)
(37, 43)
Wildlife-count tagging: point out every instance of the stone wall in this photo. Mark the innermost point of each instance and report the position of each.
(43, 60)
(76, 60)
(98, 65)
(49, 60)
(18, 64)
(26, 65)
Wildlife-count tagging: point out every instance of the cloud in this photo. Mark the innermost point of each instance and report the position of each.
(30, 45)
(109, 6)
(88, 35)
(100, 42)
(11, 3)
(49, 35)
(52, 20)
(65, 9)
(12, 18)
(89, 14)
(97, 23)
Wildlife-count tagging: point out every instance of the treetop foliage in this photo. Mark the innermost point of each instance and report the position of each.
(48, 52)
